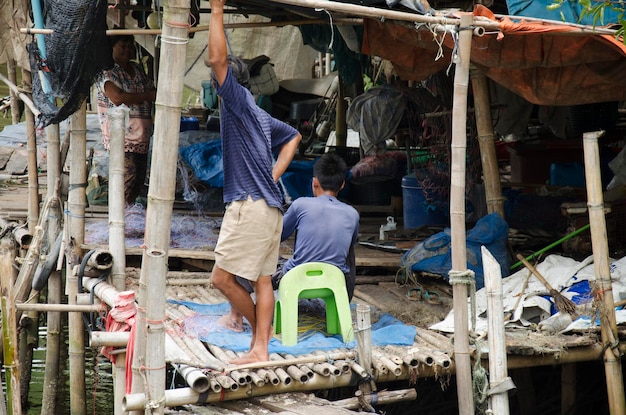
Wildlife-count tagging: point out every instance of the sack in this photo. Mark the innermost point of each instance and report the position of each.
(434, 254)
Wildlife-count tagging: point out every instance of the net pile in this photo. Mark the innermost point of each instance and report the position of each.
(75, 52)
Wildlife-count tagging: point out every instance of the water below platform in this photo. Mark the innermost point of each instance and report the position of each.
(98, 381)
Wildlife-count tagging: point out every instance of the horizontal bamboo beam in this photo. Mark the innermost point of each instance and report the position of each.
(25, 99)
(204, 28)
(70, 308)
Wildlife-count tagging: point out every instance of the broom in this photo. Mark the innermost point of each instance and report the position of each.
(562, 303)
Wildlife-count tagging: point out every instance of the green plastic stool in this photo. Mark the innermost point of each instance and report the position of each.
(313, 280)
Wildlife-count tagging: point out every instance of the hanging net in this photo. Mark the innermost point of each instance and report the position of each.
(74, 54)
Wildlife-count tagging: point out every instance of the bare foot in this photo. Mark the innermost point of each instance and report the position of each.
(229, 323)
(250, 357)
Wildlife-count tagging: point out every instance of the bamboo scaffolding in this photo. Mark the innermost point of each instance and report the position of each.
(603, 291)
(457, 215)
(498, 374)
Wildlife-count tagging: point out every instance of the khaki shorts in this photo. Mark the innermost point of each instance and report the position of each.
(249, 240)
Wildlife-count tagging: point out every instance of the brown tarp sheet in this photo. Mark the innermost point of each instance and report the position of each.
(547, 64)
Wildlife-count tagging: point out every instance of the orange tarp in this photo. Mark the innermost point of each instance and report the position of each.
(548, 64)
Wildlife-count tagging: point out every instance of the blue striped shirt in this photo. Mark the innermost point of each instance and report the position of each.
(249, 136)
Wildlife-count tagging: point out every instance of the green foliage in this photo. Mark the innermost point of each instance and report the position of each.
(595, 10)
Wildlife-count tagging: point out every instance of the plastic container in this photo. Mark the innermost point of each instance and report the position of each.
(567, 174)
(415, 211)
(189, 123)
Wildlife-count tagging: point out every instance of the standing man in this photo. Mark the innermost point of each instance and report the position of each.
(126, 83)
(249, 240)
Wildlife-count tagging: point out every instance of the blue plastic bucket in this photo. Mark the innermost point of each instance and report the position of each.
(416, 212)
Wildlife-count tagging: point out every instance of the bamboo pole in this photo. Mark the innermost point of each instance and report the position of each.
(161, 191)
(155, 263)
(22, 96)
(12, 73)
(9, 326)
(603, 291)
(31, 146)
(364, 336)
(381, 398)
(53, 334)
(28, 333)
(77, 200)
(486, 142)
(69, 308)
(498, 374)
(457, 216)
(118, 121)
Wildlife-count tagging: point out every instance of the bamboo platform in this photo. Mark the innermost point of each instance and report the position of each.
(213, 381)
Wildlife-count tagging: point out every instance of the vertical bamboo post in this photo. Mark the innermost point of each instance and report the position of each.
(486, 142)
(156, 264)
(457, 215)
(31, 148)
(53, 335)
(499, 402)
(8, 252)
(603, 291)
(364, 336)
(29, 325)
(118, 120)
(161, 191)
(78, 198)
(341, 128)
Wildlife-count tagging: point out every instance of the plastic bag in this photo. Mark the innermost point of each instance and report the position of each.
(434, 254)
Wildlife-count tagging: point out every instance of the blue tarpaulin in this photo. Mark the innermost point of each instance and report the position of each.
(386, 331)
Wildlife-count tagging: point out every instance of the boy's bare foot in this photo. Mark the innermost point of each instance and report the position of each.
(229, 323)
(250, 357)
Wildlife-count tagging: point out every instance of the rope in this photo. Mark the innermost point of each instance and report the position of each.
(466, 277)
(480, 382)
